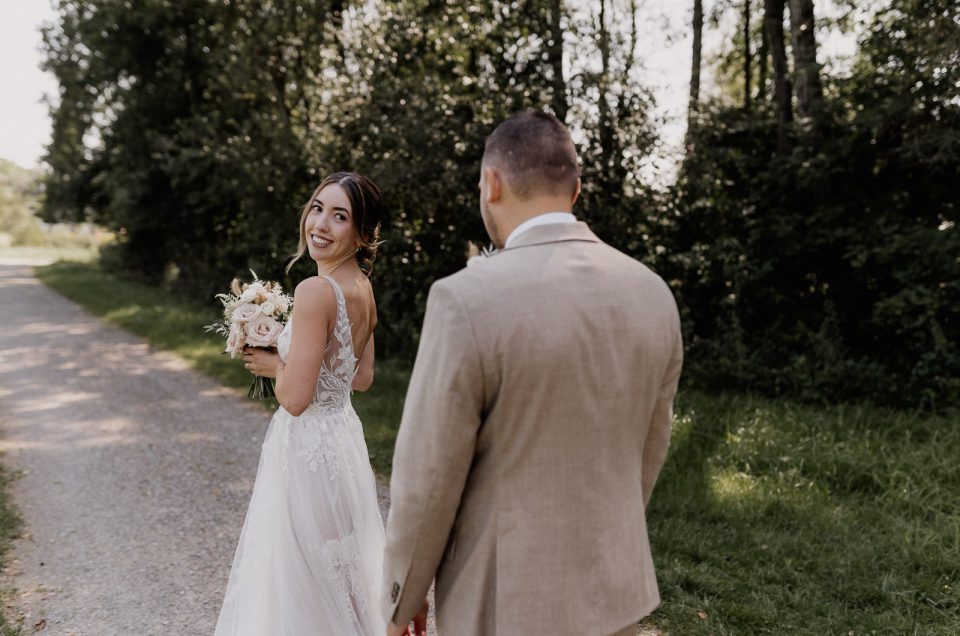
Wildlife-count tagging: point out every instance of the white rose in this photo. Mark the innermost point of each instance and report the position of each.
(268, 308)
(245, 312)
(234, 340)
(262, 331)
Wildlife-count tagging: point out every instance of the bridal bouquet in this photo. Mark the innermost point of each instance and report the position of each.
(253, 314)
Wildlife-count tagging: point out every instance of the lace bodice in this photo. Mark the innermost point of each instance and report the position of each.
(339, 362)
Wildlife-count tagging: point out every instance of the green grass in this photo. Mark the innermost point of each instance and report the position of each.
(769, 517)
(774, 518)
(176, 324)
(10, 527)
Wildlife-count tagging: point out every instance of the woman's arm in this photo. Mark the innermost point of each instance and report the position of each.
(314, 309)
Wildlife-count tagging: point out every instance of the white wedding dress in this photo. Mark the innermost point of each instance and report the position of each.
(311, 549)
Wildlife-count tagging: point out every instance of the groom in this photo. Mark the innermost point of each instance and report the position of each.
(537, 417)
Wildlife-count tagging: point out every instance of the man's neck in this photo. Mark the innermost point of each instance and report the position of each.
(547, 218)
(525, 210)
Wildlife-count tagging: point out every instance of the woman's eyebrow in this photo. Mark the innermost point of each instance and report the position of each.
(320, 203)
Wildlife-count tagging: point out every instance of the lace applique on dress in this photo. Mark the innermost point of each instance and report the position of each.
(316, 430)
(339, 362)
(342, 563)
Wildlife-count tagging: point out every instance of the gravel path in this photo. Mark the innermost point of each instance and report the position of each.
(135, 472)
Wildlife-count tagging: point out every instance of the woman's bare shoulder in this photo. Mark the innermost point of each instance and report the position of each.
(315, 296)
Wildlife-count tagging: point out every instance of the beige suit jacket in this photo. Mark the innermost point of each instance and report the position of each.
(536, 421)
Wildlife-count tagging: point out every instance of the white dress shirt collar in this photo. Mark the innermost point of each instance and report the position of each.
(541, 219)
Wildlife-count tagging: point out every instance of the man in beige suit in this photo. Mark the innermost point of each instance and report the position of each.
(537, 418)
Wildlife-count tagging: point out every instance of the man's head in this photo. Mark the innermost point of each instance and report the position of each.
(529, 167)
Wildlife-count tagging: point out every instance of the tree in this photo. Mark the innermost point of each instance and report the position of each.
(806, 70)
(554, 52)
(747, 56)
(773, 26)
(697, 52)
(197, 131)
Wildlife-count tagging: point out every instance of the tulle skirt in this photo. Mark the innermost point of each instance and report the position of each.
(311, 549)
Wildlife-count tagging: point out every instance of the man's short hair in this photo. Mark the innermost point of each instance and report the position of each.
(535, 153)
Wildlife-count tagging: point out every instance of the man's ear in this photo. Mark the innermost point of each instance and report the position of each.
(494, 183)
(576, 193)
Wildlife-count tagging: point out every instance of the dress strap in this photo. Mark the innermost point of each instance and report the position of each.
(336, 288)
(341, 302)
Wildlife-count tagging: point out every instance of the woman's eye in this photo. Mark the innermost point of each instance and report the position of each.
(341, 217)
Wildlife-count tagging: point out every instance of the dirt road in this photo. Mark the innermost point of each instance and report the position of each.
(136, 472)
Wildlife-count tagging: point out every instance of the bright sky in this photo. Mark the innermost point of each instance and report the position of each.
(24, 123)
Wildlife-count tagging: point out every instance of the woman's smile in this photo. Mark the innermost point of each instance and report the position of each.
(319, 241)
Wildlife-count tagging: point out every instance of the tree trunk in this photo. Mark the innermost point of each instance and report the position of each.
(806, 70)
(607, 130)
(697, 48)
(773, 25)
(764, 55)
(558, 100)
(747, 56)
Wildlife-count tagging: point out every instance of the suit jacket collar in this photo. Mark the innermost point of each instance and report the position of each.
(553, 233)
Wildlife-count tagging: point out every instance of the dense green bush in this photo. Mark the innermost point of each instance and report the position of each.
(832, 271)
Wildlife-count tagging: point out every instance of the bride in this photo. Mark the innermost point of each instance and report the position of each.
(310, 552)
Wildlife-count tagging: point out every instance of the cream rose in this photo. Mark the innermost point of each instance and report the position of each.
(262, 331)
(245, 312)
(268, 308)
(234, 340)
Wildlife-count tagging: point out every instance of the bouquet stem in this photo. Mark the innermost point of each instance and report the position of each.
(261, 389)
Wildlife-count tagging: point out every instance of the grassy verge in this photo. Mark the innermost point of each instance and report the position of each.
(773, 518)
(769, 517)
(10, 526)
(176, 325)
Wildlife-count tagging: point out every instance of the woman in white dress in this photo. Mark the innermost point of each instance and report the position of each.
(310, 552)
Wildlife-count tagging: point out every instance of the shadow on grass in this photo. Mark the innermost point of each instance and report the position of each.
(771, 518)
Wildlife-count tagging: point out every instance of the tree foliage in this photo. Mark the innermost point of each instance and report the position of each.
(19, 199)
(816, 256)
(834, 271)
(197, 131)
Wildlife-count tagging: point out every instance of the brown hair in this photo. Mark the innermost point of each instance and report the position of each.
(366, 209)
(535, 152)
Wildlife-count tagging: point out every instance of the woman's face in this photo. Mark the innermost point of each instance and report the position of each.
(329, 226)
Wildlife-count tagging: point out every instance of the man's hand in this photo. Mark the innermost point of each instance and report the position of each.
(419, 624)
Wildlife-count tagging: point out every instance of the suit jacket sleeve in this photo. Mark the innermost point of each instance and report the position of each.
(661, 422)
(433, 454)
